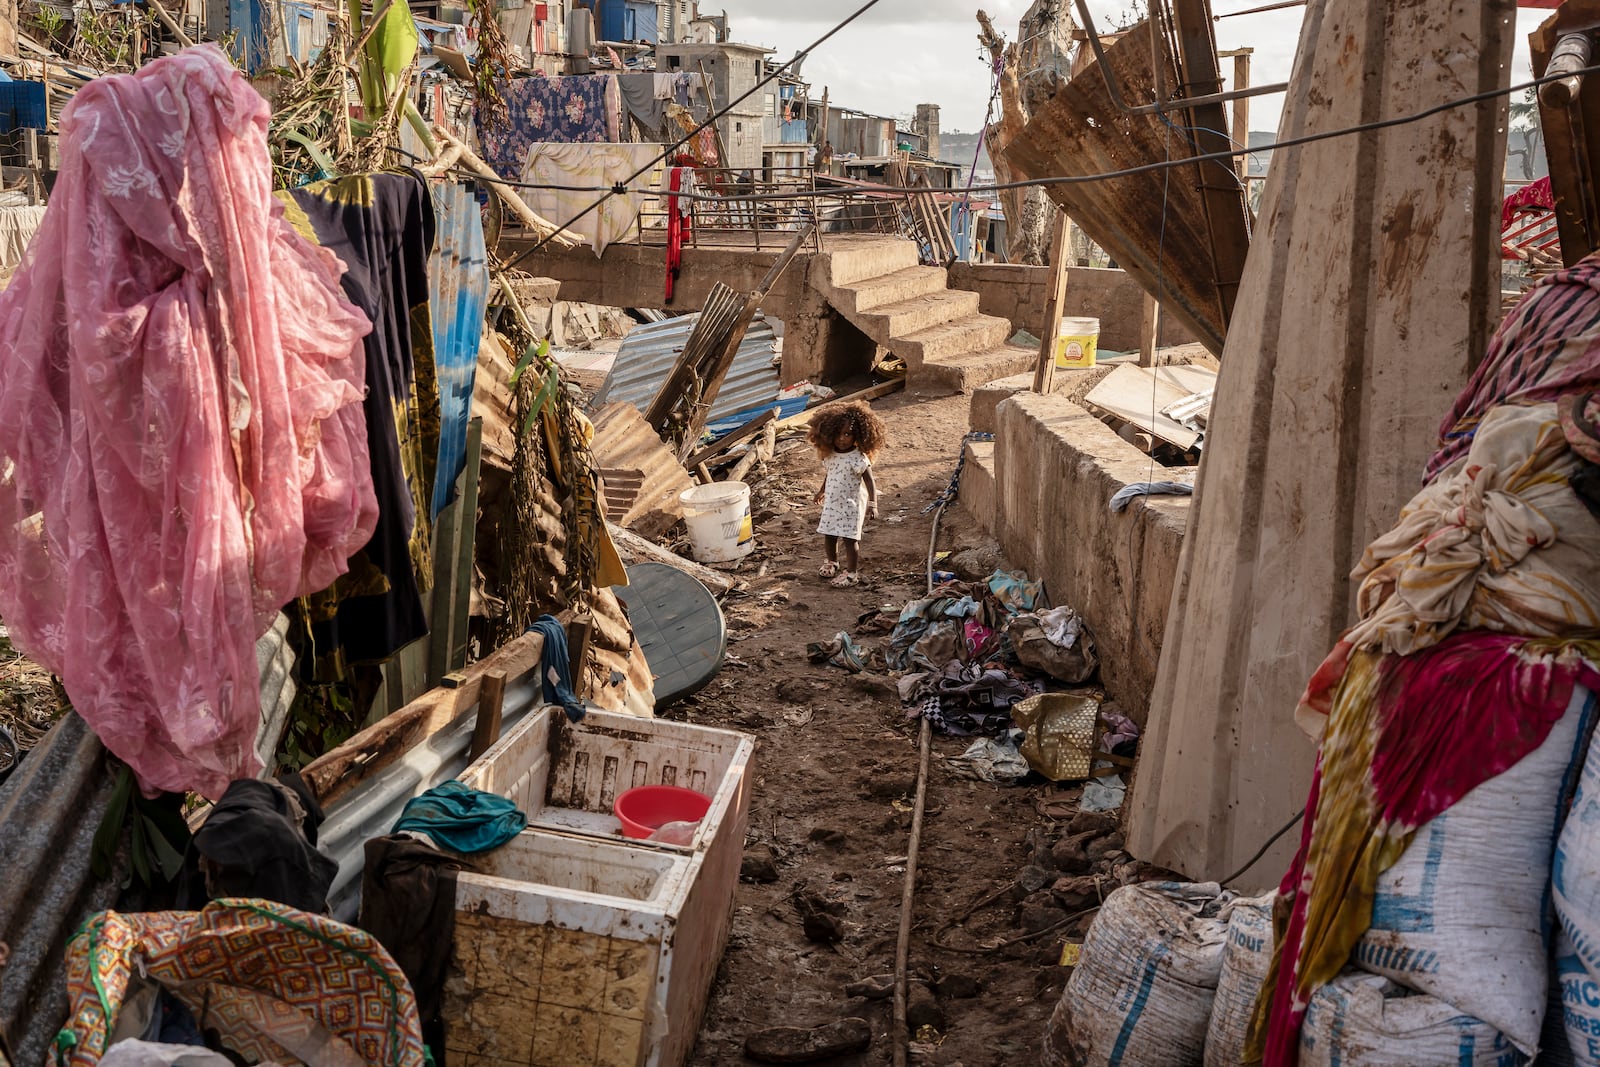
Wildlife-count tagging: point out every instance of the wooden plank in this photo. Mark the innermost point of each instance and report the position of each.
(491, 703)
(1044, 374)
(1149, 331)
(467, 543)
(871, 393)
(337, 772)
(631, 544)
(737, 437)
(1139, 394)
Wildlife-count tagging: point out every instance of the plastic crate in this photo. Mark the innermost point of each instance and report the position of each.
(23, 106)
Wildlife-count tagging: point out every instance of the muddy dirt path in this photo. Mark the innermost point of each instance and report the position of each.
(835, 770)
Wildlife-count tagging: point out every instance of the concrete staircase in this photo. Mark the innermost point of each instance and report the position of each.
(948, 345)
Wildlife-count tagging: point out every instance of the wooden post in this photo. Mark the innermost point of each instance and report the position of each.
(578, 632)
(1045, 375)
(491, 702)
(1149, 331)
(1241, 111)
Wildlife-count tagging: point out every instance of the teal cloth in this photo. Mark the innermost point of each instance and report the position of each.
(462, 819)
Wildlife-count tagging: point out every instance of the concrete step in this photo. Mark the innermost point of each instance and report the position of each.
(978, 492)
(946, 341)
(949, 375)
(920, 313)
(988, 397)
(868, 259)
(873, 293)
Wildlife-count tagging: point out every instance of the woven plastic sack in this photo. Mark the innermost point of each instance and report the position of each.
(1245, 961)
(1141, 994)
(1364, 1020)
(1576, 1040)
(1575, 874)
(1461, 915)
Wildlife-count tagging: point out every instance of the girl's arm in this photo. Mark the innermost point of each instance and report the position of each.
(872, 492)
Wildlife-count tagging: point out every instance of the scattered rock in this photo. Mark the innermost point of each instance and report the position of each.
(922, 1009)
(1040, 912)
(1101, 847)
(794, 691)
(823, 928)
(1077, 893)
(823, 835)
(1070, 857)
(1033, 879)
(957, 987)
(891, 788)
(978, 562)
(759, 866)
(792, 1044)
(1096, 822)
(878, 987)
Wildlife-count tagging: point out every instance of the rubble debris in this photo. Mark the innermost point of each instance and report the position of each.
(923, 1009)
(759, 866)
(792, 1044)
(878, 987)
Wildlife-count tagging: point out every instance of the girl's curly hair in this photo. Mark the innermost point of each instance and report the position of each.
(862, 422)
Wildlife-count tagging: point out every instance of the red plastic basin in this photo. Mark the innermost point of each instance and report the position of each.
(647, 808)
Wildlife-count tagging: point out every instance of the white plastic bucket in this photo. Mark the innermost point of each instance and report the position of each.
(1076, 341)
(718, 516)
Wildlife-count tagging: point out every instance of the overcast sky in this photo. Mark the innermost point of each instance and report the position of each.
(906, 52)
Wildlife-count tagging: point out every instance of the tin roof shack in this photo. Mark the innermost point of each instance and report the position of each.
(734, 70)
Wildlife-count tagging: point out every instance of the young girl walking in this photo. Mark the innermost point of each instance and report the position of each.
(846, 438)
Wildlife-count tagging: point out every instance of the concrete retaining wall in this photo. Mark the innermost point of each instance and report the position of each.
(1056, 469)
(1019, 293)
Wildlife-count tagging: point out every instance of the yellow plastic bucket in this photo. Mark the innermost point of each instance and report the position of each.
(1076, 341)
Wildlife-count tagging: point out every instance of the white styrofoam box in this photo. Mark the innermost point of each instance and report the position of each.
(574, 945)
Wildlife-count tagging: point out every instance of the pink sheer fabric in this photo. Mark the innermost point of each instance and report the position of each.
(182, 448)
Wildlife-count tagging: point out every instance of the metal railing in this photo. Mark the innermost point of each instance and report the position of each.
(762, 209)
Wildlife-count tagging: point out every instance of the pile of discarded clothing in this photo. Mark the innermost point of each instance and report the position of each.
(967, 654)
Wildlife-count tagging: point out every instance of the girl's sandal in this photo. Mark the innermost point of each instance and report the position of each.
(845, 580)
(828, 569)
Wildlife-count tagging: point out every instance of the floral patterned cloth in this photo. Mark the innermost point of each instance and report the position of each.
(578, 109)
(182, 446)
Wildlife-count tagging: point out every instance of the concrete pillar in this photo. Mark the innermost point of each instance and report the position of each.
(1366, 301)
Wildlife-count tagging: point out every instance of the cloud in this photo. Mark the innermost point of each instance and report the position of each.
(906, 52)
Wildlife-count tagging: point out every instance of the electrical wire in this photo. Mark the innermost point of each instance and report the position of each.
(1079, 179)
(622, 186)
(1262, 851)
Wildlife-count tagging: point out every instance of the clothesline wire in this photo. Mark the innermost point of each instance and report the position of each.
(621, 187)
(997, 187)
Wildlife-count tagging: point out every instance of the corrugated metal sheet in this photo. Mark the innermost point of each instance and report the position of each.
(643, 478)
(649, 353)
(49, 812)
(458, 293)
(372, 808)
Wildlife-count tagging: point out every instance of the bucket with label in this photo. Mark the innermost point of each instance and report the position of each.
(718, 517)
(1076, 341)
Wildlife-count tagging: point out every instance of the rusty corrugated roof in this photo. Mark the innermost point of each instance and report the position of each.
(1153, 224)
(643, 478)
